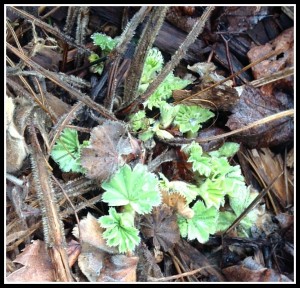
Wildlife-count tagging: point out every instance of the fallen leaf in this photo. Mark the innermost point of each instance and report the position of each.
(253, 106)
(251, 271)
(91, 233)
(103, 157)
(37, 265)
(118, 268)
(274, 64)
(178, 202)
(73, 251)
(90, 261)
(161, 225)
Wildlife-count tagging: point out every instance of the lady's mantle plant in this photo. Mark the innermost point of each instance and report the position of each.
(136, 191)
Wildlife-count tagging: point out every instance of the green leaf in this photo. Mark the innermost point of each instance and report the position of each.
(201, 225)
(239, 205)
(164, 90)
(213, 193)
(228, 149)
(138, 121)
(153, 64)
(118, 233)
(167, 114)
(189, 118)
(104, 41)
(242, 200)
(137, 188)
(226, 218)
(66, 151)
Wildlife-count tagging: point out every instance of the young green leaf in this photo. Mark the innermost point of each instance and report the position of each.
(137, 188)
(104, 41)
(228, 149)
(213, 193)
(189, 118)
(164, 90)
(239, 204)
(118, 231)
(201, 225)
(66, 151)
(167, 114)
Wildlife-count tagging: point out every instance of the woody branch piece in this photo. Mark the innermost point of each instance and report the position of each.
(52, 224)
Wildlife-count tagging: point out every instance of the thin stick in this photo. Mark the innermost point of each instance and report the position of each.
(190, 273)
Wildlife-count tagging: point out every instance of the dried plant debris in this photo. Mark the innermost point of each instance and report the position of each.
(103, 157)
(253, 106)
(268, 166)
(238, 19)
(37, 265)
(223, 97)
(161, 225)
(119, 268)
(274, 64)
(93, 247)
(147, 265)
(251, 271)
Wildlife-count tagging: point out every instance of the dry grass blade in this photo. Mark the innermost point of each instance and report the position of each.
(179, 141)
(174, 277)
(274, 77)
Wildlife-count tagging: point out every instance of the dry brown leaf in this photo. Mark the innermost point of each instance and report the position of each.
(93, 247)
(178, 202)
(267, 67)
(103, 157)
(250, 271)
(161, 225)
(254, 106)
(73, 251)
(91, 233)
(119, 268)
(37, 265)
(90, 261)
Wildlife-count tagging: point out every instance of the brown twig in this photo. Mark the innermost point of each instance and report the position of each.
(174, 277)
(52, 224)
